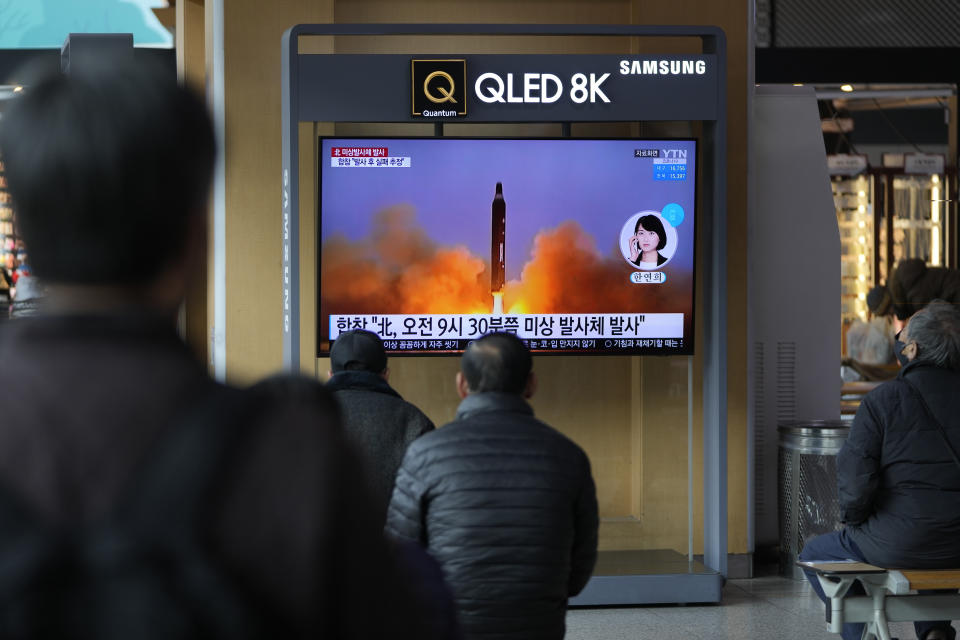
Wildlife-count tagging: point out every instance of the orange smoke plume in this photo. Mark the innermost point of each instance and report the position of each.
(568, 274)
(399, 269)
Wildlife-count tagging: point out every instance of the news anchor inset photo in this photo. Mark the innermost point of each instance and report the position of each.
(647, 240)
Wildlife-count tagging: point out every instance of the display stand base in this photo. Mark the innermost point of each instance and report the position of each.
(652, 576)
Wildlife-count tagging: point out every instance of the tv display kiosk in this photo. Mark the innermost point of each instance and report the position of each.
(390, 88)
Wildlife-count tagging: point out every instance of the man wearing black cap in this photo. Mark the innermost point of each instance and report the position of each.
(378, 421)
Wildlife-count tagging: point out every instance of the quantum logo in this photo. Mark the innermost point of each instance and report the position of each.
(447, 92)
(438, 88)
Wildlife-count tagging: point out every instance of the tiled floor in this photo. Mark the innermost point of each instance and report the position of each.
(767, 607)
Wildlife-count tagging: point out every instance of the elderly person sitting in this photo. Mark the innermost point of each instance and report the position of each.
(898, 472)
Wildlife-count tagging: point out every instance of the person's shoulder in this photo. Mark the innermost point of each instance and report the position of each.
(440, 442)
(887, 400)
(295, 391)
(384, 401)
(931, 378)
(412, 410)
(291, 488)
(364, 395)
(889, 391)
(551, 442)
(413, 416)
(292, 407)
(392, 408)
(292, 441)
(439, 436)
(564, 441)
(524, 426)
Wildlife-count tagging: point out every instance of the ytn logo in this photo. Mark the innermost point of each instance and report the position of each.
(438, 88)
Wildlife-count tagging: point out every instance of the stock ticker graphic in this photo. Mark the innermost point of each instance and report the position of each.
(575, 245)
(439, 87)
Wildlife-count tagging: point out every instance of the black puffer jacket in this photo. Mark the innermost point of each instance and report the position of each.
(508, 507)
(899, 486)
(380, 424)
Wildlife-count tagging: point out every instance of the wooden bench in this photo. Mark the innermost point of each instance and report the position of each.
(891, 595)
(851, 393)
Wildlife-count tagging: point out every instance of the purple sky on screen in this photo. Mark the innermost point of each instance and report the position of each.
(451, 183)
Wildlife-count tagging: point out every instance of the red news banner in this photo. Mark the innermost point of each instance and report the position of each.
(343, 157)
(359, 152)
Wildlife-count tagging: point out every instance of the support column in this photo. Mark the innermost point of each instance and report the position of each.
(190, 34)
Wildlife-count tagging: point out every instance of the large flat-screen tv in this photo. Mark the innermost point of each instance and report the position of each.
(576, 245)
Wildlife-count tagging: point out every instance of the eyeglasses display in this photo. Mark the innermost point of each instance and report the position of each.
(852, 197)
(885, 215)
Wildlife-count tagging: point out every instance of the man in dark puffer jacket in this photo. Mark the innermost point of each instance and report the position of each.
(899, 481)
(505, 503)
(377, 420)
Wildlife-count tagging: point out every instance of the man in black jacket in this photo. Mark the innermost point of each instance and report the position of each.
(378, 421)
(505, 503)
(898, 472)
(109, 170)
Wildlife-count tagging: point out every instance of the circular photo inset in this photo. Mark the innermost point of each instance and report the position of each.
(647, 241)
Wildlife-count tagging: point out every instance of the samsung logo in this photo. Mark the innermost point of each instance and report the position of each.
(663, 67)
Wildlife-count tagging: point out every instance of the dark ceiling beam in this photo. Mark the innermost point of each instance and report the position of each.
(17, 65)
(777, 65)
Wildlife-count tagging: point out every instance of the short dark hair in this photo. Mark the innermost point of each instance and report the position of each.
(651, 222)
(497, 362)
(105, 167)
(936, 330)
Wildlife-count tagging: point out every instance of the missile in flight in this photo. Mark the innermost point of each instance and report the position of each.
(498, 215)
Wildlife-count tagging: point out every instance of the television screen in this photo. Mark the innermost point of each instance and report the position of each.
(575, 245)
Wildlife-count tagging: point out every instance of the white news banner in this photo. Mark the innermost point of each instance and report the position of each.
(528, 326)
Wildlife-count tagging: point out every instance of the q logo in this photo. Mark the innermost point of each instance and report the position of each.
(447, 93)
(437, 88)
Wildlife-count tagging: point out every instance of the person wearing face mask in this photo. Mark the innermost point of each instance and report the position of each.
(898, 473)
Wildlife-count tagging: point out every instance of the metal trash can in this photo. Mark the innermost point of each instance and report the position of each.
(807, 485)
